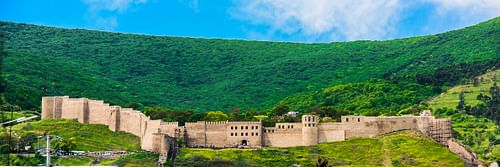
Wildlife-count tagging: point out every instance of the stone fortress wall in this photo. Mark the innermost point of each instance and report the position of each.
(154, 134)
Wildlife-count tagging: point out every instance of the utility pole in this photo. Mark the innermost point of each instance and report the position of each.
(10, 134)
(48, 151)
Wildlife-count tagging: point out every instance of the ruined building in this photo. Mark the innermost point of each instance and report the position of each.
(155, 134)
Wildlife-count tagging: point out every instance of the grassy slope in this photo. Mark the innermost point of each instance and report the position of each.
(213, 74)
(407, 148)
(6, 115)
(449, 98)
(132, 160)
(475, 132)
(89, 137)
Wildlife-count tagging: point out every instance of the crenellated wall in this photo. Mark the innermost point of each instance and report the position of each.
(309, 131)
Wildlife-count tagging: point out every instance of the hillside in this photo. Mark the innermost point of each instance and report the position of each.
(214, 74)
(477, 131)
(404, 148)
(449, 99)
(88, 137)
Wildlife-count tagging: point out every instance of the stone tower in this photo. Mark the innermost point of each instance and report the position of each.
(310, 130)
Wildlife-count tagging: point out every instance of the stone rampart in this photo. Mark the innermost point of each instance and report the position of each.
(309, 131)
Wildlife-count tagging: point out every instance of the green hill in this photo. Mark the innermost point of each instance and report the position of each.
(215, 74)
(449, 99)
(404, 148)
(88, 137)
(478, 132)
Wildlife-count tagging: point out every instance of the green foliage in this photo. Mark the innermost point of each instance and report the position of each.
(72, 161)
(83, 137)
(214, 74)
(216, 116)
(373, 97)
(279, 110)
(471, 125)
(134, 160)
(407, 148)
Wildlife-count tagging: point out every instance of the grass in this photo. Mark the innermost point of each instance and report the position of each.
(479, 134)
(404, 148)
(132, 160)
(73, 161)
(449, 99)
(6, 115)
(89, 137)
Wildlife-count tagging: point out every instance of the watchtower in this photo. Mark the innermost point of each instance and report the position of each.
(310, 130)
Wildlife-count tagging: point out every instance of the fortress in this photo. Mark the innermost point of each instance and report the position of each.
(158, 136)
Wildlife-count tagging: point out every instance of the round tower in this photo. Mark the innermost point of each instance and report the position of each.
(310, 130)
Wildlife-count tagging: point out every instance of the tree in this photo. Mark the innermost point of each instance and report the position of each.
(68, 144)
(216, 116)
(461, 102)
(133, 105)
(281, 109)
(475, 82)
(322, 163)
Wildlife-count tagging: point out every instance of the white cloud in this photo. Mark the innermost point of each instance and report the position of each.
(345, 19)
(111, 8)
(336, 19)
(468, 11)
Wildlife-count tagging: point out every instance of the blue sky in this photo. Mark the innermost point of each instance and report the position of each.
(275, 20)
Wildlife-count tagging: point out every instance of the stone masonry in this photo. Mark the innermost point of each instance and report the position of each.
(156, 135)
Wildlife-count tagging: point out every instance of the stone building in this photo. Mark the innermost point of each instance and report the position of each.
(158, 136)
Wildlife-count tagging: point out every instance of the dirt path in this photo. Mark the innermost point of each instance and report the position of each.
(387, 157)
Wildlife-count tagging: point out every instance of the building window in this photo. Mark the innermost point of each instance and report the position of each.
(314, 119)
(241, 127)
(291, 126)
(235, 134)
(252, 127)
(246, 127)
(246, 134)
(231, 134)
(256, 127)
(252, 133)
(241, 134)
(314, 125)
(309, 119)
(347, 119)
(256, 134)
(231, 127)
(359, 120)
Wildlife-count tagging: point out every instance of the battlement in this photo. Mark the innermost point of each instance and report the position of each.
(169, 123)
(216, 123)
(239, 133)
